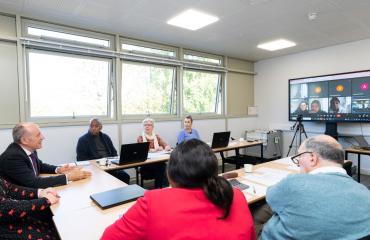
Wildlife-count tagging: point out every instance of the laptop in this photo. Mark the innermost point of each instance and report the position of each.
(117, 196)
(132, 153)
(220, 139)
(362, 142)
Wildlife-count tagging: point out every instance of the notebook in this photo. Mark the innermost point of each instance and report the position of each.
(133, 152)
(220, 139)
(362, 142)
(117, 196)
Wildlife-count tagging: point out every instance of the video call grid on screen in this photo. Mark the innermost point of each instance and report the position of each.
(336, 97)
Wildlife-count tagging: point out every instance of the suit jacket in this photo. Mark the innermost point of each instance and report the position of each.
(157, 216)
(86, 147)
(16, 166)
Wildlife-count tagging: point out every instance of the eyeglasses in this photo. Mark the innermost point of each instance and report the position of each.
(296, 158)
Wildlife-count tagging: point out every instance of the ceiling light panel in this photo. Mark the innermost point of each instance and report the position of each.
(277, 45)
(192, 20)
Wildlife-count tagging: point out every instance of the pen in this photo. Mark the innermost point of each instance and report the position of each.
(254, 189)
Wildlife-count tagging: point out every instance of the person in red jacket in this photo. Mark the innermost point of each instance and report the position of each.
(200, 204)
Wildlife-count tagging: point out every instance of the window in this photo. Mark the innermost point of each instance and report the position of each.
(202, 92)
(42, 33)
(66, 85)
(155, 51)
(148, 89)
(201, 59)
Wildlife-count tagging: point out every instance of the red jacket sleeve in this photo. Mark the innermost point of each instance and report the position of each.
(132, 225)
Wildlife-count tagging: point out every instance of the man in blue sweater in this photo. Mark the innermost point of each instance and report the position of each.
(95, 144)
(323, 202)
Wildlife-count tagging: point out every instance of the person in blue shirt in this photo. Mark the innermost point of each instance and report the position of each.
(322, 202)
(188, 132)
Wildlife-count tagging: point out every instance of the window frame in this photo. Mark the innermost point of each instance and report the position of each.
(110, 107)
(174, 93)
(148, 45)
(220, 95)
(204, 55)
(67, 30)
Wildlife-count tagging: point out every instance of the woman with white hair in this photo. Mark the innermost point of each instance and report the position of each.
(156, 143)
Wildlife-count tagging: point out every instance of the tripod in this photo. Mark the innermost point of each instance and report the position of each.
(299, 128)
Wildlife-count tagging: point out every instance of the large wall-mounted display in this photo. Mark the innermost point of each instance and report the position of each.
(342, 97)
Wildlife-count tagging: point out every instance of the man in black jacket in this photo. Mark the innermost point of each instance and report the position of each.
(20, 164)
(95, 144)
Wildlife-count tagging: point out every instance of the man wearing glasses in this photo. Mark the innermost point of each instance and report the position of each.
(321, 203)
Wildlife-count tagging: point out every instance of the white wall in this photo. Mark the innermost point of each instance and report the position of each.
(238, 126)
(271, 85)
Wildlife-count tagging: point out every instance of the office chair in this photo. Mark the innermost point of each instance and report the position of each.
(239, 160)
(347, 165)
(140, 177)
(149, 174)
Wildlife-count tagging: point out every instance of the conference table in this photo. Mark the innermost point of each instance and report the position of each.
(77, 217)
(233, 145)
(154, 158)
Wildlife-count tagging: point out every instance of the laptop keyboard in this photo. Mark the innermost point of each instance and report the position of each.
(235, 183)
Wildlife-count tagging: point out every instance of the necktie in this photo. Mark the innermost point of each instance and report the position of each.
(34, 162)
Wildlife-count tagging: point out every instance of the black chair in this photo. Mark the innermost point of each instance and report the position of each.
(155, 171)
(365, 238)
(347, 165)
(239, 160)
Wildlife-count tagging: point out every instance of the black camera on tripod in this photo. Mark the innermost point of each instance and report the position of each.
(298, 121)
(299, 130)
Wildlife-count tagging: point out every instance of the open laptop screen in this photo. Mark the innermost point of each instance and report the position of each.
(133, 152)
(220, 139)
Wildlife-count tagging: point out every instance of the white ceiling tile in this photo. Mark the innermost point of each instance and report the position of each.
(242, 25)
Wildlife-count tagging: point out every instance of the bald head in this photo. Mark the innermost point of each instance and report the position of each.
(326, 147)
(95, 126)
(28, 135)
(21, 129)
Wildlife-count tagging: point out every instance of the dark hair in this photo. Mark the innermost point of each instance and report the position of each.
(299, 105)
(193, 164)
(190, 117)
(334, 99)
(316, 102)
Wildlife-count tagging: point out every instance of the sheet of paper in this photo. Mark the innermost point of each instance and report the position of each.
(266, 170)
(82, 163)
(294, 167)
(254, 189)
(266, 176)
(287, 161)
(158, 154)
(247, 196)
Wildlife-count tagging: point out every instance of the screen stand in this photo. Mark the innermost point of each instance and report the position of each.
(331, 129)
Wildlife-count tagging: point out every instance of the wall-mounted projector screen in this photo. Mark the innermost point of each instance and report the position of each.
(342, 97)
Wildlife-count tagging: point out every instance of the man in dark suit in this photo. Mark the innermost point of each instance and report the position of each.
(96, 144)
(20, 164)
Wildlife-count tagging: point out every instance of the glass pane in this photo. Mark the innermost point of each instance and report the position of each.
(130, 47)
(66, 36)
(202, 59)
(147, 89)
(200, 91)
(67, 85)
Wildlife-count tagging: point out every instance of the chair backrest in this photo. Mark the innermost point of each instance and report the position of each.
(348, 167)
(365, 238)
